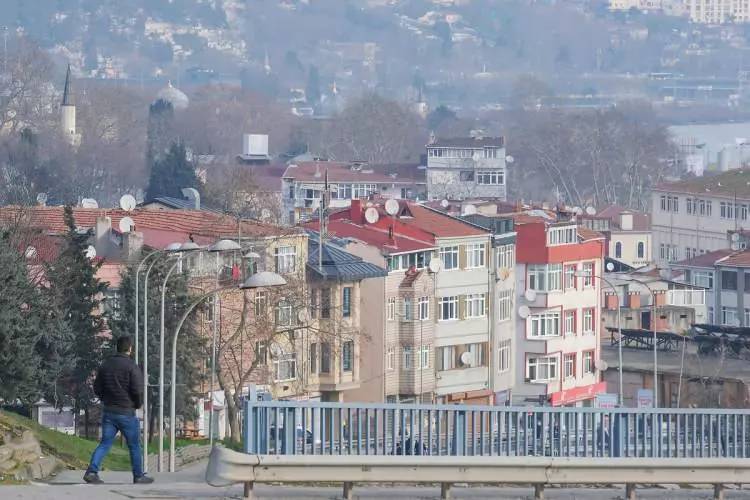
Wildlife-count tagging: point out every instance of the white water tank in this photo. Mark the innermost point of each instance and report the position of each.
(255, 145)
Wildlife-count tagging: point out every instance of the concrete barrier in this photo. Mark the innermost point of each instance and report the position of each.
(228, 467)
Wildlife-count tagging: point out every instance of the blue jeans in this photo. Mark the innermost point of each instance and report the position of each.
(129, 426)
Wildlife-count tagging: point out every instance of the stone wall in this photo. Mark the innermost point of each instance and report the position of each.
(21, 458)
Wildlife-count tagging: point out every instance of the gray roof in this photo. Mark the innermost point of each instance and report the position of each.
(468, 142)
(340, 265)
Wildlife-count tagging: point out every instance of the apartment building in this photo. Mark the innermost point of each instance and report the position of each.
(303, 183)
(718, 11)
(466, 167)
(628, 234)
(558, 326)
(725, 274)
(692, 217)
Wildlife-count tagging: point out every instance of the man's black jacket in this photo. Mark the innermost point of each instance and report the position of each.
(119, 385)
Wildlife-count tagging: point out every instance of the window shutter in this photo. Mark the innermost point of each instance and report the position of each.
(461, 306)
(462, 256)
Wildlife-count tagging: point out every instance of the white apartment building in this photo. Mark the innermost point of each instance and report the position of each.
(558, 325)
(693, 217)
(466, 167)
(718, 11)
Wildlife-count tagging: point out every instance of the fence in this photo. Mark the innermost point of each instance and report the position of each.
(312, 428)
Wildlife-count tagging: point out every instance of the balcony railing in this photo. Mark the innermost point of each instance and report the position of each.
(686, 298)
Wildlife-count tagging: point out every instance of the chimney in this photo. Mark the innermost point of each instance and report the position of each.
(626, 221)
(611, 299)
(661, 298)
(634, 300)
(101, 234)
(355, 212)
(132, 244)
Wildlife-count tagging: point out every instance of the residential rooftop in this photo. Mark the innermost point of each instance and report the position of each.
(468, 142)
(730, 184)
(396, 173)
(708, 259)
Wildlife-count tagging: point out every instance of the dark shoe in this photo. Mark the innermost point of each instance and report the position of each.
(92, 478)
(143, 480)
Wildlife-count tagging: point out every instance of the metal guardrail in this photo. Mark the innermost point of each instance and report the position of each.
(227, 467)
(312, 428)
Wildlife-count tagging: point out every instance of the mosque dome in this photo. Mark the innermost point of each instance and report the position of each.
(174, 96)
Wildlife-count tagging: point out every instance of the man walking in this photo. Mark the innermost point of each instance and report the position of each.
(119, 386)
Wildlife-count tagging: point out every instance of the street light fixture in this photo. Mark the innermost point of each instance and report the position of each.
(259, 280)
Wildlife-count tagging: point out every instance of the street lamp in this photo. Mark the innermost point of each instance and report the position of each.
(582, 274)
(137, 278)
(264, 279)
(653, 326)
(218, 247)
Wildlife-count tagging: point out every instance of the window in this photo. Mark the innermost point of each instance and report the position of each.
(747, 317)
(505, 305)
(325, 357)
(569, 366)
(710, 313)
(314, 357)
(407, 309)
(545, 277)
(347, 350)
(325, 303)
(669, 203)
(261, 302)
(691, 205)
(390, 358)
(541, 368)
(747, 281)
(729, 316)
(475, 255)
(466, 176)
(491, 177)
(346, 302)
(284, 314)
(112, 304)
(503, 356)
(588, 362)
(449, 256)
(477, 354)
(704, 207)
(588, 271)
(726, 210)
(704, 279)
(641, 250)
(691, 253)
(446, 358)
(570, 323)
(588, 321)
(741, 211)
(562, 235)
(408, 358)
(506, 256)
(424, 357)
(402, 262)
(313, 303)
(423, 308)
(729, 280)
(618, 250)
(668, 252)
(261, 351)
(491, 152)
(286, 259)
(546, 324)
(448, 307)
(285, 367)
(569, 277)
(475, 305)
(391, 308)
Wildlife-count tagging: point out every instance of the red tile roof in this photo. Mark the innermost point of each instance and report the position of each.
(157, 225)
(736, 259)
(374, 236)
(314, 171)
(705, 260)
(437, 223)
(641, 220)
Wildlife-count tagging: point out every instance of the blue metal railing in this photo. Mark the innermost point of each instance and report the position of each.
(312, 428)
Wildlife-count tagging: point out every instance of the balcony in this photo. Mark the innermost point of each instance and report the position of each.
(686, 298)
(461, 380)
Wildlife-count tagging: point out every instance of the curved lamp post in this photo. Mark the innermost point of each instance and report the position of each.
(653, 326)
(137, 283)
(263, 279)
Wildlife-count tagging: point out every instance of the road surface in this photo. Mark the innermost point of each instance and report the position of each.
(189, 483)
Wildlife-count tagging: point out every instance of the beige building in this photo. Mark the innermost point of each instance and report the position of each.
(628, 234)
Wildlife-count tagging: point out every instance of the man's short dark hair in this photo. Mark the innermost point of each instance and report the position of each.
(124, 344)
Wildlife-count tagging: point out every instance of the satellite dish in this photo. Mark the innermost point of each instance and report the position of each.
(578, 210)
(734, 246)
(735, 236)
(30, 252)
(41, 198)
(436, 265)
(391, 207)
(590, 210)
(467, 358)
(602, 365)
(127, 202)
(90, 252)
(445, 203)
(610, 266)
(509, 159)
(530, 295)
(524, 312)
(469, 209)
(303, 316)
(89, 203)
(276, 350)
(126, 224)
(372, 215)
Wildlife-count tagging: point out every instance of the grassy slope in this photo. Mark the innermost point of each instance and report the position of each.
(73, 451)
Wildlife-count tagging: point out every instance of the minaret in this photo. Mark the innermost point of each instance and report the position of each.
(68, 111)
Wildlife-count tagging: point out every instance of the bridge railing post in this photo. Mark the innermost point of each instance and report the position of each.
(249, 431)
(459, 433)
